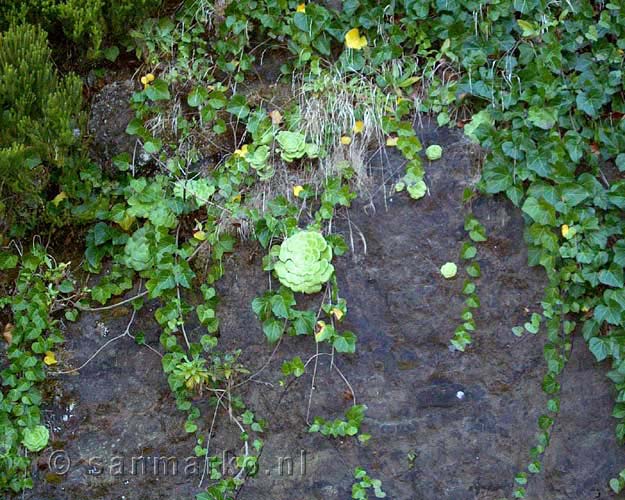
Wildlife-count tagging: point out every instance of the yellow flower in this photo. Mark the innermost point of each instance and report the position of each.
(147, 79)
(297, 190)
(392, 141)
(353, 40)
(301, 8)
(338, 314)
(359, 126)
(241, 153)
(346, 140)
(49, 358)
(199, 235)
(565, 230)
(236, 198)
(59, 198)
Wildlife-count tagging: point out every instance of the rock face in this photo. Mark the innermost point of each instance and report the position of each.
(444, 425)
(110, 115)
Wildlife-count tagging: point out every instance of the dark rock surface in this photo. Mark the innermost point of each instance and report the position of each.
(110, 115)
(444, 425)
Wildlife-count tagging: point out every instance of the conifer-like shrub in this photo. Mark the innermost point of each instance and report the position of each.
(39, 125)
(85, 23)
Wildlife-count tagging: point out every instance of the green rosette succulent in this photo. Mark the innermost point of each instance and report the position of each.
(293, 146)
(304, 262)
(36, 438)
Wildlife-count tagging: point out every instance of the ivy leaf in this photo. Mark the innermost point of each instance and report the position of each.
(613, 276)
(544, 118)
(197, 97)
(304, 323)
(281, 303)
(468, 251)
(158, 91)
(599, 347)
(346, 342)
(273, 330)
(497, 177)
(540, 210)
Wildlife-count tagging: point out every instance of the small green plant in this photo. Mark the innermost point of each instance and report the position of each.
(434, 152)
(477, 233)
(349, 426)
(293, 146)
(364, 483)
(36, 438)
(304, 262)
(32, 337)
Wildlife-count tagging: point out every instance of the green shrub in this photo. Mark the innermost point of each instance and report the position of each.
(39, 116)
(85, 23)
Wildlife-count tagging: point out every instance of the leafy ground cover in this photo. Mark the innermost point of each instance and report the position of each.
(538, 85)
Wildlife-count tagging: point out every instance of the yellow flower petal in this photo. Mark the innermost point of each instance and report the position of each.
(297, 190)
(301, 7)
(359, 126)
(59, 198)
(392, 141)
(564, 230)
(150, 77)
(353, 40)
(241, 153)
(338, 314)
(199, 235)
(144, 80)
(236, 198)
(346, 140)
(49, 358)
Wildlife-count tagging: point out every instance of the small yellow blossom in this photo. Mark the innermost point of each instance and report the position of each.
(301, 8)
(353, 40)
(241, 153)
(392, 141)
(345, 140)
(359, 126)
(236, 198)
(49, 358)
(565, 230)
(297, 190)
(147, 79)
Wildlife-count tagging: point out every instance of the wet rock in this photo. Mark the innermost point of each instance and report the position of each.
(110, 115)
(427, 442)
